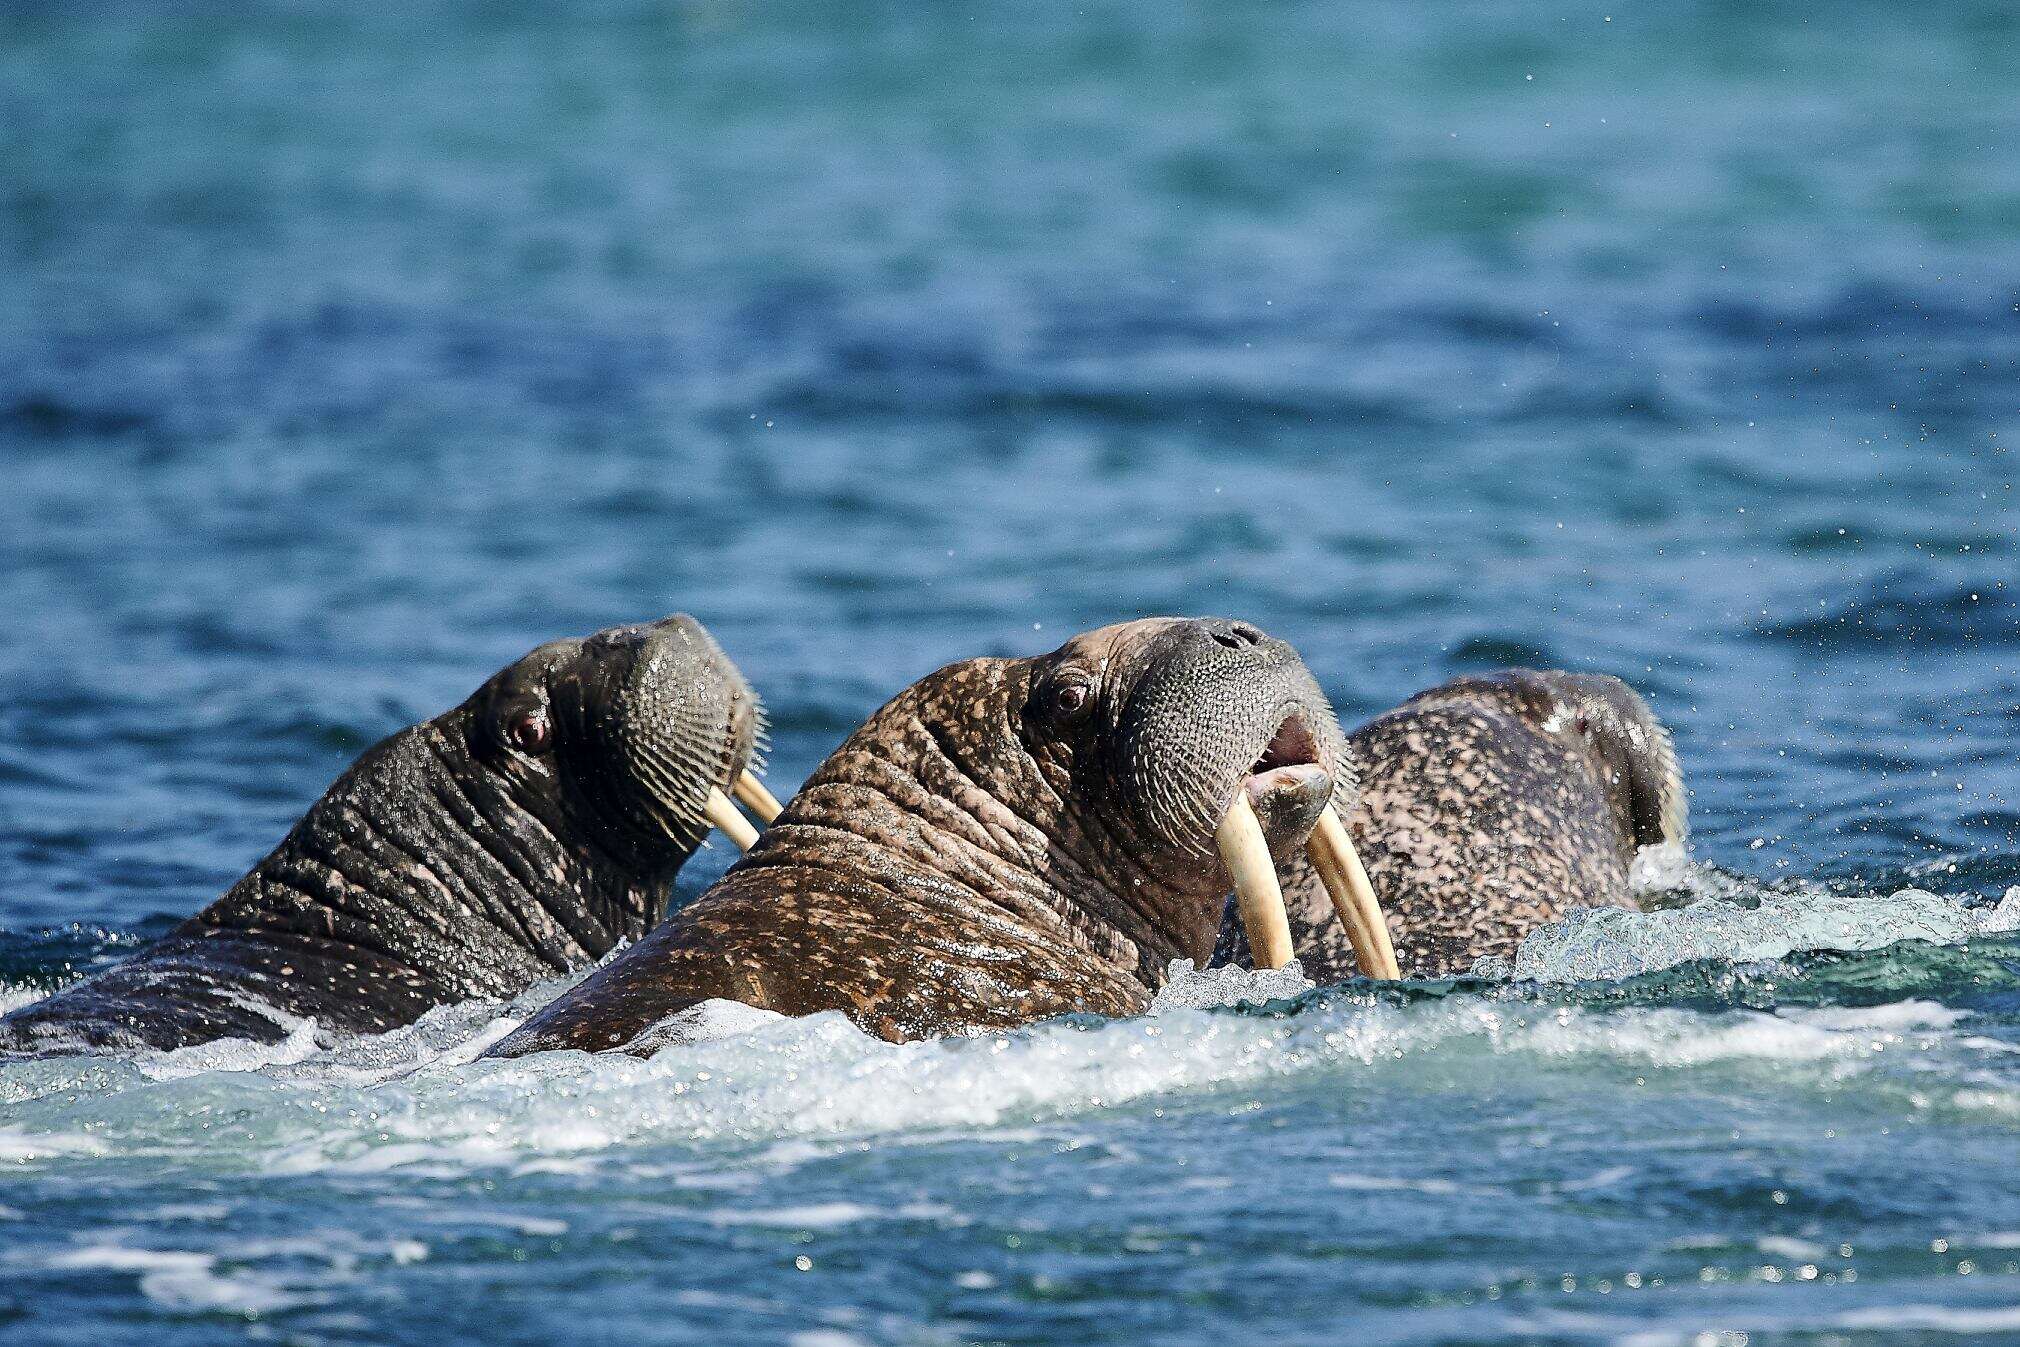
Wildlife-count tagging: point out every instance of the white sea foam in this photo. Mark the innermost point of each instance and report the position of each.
(704, 1023)
(1741, 924)
(183, 1281)
(824, 1337)
(231, 1054)
(1660, 868)
(420, 1100)
(18, 1145)
(201, 1290)
(791, 1083)
(1792, 1250)
(119, 1258)
(826, 1216)
(1369, 1183)
(1188, 988)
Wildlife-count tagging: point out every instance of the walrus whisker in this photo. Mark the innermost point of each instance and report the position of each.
(754, 797)
(1258, 896)
(1346, 883)
(724, 815)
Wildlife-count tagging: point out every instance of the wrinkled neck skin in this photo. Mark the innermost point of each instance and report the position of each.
(941, 794)
(420, 878)
(447, 866)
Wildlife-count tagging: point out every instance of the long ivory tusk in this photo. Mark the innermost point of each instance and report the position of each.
(1256, 891)
(1340, 870)
(724, 815)
(756, 798)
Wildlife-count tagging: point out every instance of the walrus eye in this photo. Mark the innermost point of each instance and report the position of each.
(1584, 725)
(530, 733)
(1070, 699)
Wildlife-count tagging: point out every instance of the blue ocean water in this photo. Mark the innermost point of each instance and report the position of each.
(348, 351)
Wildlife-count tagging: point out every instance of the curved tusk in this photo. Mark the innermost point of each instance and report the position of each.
(1340, 870)
(724, 815)
(756, 798)
(1257, 894)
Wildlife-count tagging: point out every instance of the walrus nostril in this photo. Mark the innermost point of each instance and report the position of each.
(614, 638)
(1234, 635)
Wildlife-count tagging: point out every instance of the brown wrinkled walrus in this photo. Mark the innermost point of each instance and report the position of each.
(1488, 807)
(1007, 839)
(519, 836)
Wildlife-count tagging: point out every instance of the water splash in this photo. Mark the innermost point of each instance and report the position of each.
(1743, 924)
(1189, 988)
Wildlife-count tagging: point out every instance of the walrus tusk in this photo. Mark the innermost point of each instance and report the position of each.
(1346, 880)
(1257, 894)
(756, 798)
(724, 815)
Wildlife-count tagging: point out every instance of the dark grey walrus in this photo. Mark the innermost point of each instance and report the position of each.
(1007, 839)
(1488, 807)
(520, 836)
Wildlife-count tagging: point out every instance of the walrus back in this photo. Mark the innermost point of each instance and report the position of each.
(1476, 828)
(203, 983)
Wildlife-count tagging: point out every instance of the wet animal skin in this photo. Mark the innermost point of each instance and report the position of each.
(519, 836)
(1007, 839)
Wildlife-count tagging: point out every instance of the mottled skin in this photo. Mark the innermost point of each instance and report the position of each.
(1007, 839)
(520, 836)
(1490, 806)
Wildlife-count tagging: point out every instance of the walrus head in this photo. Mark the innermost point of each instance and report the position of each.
(1102, 773)
(624, 734)
(1605, 721)
(1154, 727)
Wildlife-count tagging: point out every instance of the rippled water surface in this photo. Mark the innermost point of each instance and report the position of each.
(347, 352)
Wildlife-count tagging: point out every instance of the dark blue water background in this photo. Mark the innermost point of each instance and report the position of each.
(348, 351)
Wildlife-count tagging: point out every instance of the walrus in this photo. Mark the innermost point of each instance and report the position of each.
(1488, 806)
(1005, 840)
(519, 836)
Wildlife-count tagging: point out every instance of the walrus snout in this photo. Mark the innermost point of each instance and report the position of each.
(1287, 803)
(661, 701)
(1231, 744)
(1219, 707)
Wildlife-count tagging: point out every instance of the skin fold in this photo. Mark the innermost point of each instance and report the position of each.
(1007, 839)
(1490, 806)
(519, 836)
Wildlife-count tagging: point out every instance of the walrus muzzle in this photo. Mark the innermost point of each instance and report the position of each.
(1299, 791)
(619, 704)
(1213, 691)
